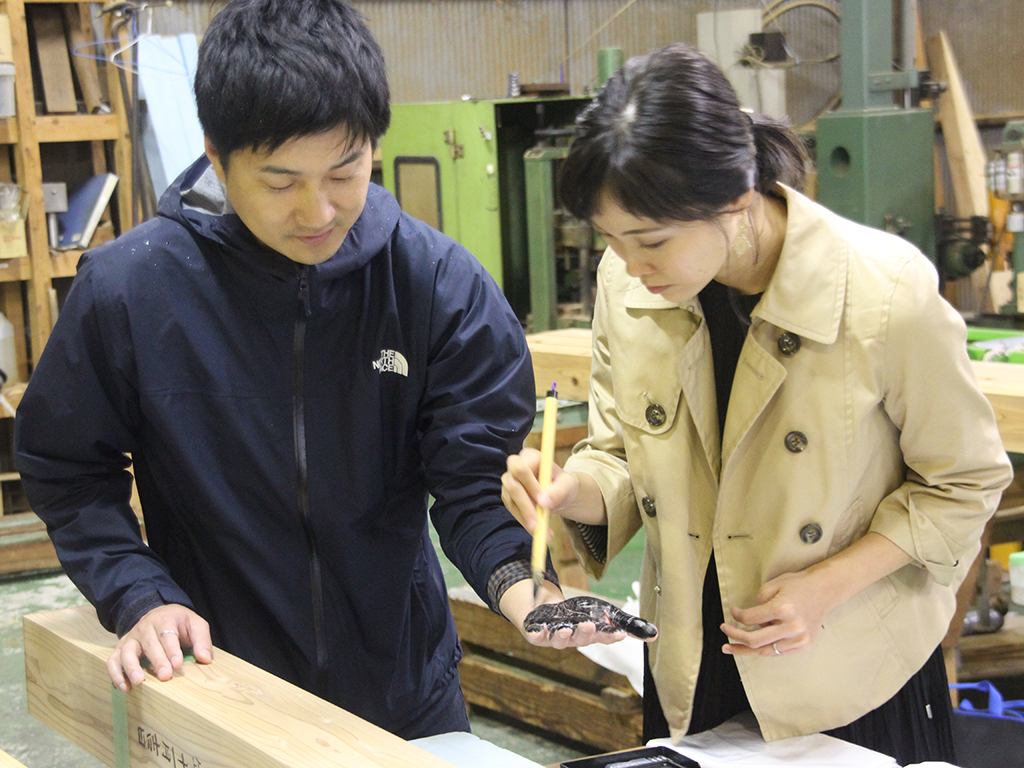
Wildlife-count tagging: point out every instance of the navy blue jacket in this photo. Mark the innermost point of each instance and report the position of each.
(286, 424)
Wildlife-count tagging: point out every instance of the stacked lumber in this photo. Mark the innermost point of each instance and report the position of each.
(221, 715)
(995, 655)
(562, 692)
(6, 761)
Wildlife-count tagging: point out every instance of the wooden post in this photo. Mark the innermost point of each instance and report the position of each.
(28, 169)
(220, 715)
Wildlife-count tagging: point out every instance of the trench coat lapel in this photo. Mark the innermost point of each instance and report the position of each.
(758, 378)
(698, 384)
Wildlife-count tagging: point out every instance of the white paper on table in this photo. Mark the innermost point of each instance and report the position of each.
(738, 742)
(464, 750)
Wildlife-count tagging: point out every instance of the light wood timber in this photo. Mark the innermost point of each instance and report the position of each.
(6, 761)
(24, 545)
(13, 309)
(964, 151)
(28, 170)
(993, 655)
(54, 128)
(1003, 385)
(564, 357)
(224, 714)
(54, 60)
(79, 26)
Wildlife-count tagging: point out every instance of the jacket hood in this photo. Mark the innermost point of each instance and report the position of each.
(198, 201)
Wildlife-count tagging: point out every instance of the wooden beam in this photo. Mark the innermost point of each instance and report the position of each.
(547, 704)
(228, 713)
(56, 128)
(78, 18)
(6, 761)
(562, 357)
(54, 60)
(28, 169)
(964, 150)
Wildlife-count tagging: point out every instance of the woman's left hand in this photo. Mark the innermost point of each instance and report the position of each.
(788, 617)
(791, 608)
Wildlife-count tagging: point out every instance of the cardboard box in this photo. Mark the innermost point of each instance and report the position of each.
(12, 239)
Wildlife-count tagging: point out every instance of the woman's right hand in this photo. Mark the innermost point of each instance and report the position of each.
(522, 494)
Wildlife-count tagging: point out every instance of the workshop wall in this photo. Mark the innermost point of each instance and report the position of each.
(440, 50)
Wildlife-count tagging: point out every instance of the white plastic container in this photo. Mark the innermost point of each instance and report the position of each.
(8, 357)
(1017, 580)
(7, 102)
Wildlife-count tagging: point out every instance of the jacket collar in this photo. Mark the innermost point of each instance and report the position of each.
(807, 291)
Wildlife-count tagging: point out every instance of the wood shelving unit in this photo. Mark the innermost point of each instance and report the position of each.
(26, 284)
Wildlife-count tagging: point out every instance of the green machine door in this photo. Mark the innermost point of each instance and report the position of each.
(440, 162)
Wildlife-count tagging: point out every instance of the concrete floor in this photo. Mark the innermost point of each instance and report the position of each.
(37, 746)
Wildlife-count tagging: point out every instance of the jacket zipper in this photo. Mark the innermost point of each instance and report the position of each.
(302, 477)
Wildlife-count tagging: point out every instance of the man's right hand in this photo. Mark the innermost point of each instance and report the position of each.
(159, 637)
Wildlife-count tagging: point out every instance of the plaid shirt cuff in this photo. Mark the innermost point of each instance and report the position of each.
(507, 574)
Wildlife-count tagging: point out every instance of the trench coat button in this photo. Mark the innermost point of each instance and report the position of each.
(796, 442)
(810, 533)
(657, 589)
(789, 344)
(649, 507)
(655, 415)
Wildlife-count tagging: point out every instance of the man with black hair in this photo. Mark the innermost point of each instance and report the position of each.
(293, 366)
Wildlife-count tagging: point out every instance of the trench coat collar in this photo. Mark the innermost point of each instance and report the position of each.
(808, 288)
(807, 291)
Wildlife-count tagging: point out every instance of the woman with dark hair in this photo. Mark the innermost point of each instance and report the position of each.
(763, 404)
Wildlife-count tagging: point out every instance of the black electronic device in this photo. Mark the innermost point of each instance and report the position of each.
(644, 757)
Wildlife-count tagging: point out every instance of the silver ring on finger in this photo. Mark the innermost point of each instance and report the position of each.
(172, 632)
(776, 649)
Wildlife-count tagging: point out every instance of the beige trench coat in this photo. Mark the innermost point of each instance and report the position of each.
(874, 423)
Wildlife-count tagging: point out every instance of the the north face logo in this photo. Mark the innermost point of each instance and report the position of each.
(391, 361)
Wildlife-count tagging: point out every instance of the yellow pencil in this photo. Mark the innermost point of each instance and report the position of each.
(538, 561)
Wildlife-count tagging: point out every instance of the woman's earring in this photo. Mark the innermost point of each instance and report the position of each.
(743, 243)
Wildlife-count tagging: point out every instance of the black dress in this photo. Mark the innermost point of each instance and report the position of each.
(914, 726)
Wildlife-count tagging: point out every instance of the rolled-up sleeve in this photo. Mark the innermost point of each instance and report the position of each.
(602, 454)
(956, 464)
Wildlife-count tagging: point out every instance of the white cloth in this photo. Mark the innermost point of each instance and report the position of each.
(738, 742)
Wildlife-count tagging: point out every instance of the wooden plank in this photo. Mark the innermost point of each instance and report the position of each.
(964, 151)
(567, 364)
(998, 654)
(54, 128)
(228, 713)
(54, 60)
(13, 308)
(8, 133)
(1003, 385)
(547, 704)
(6, 761)
(80, 32)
